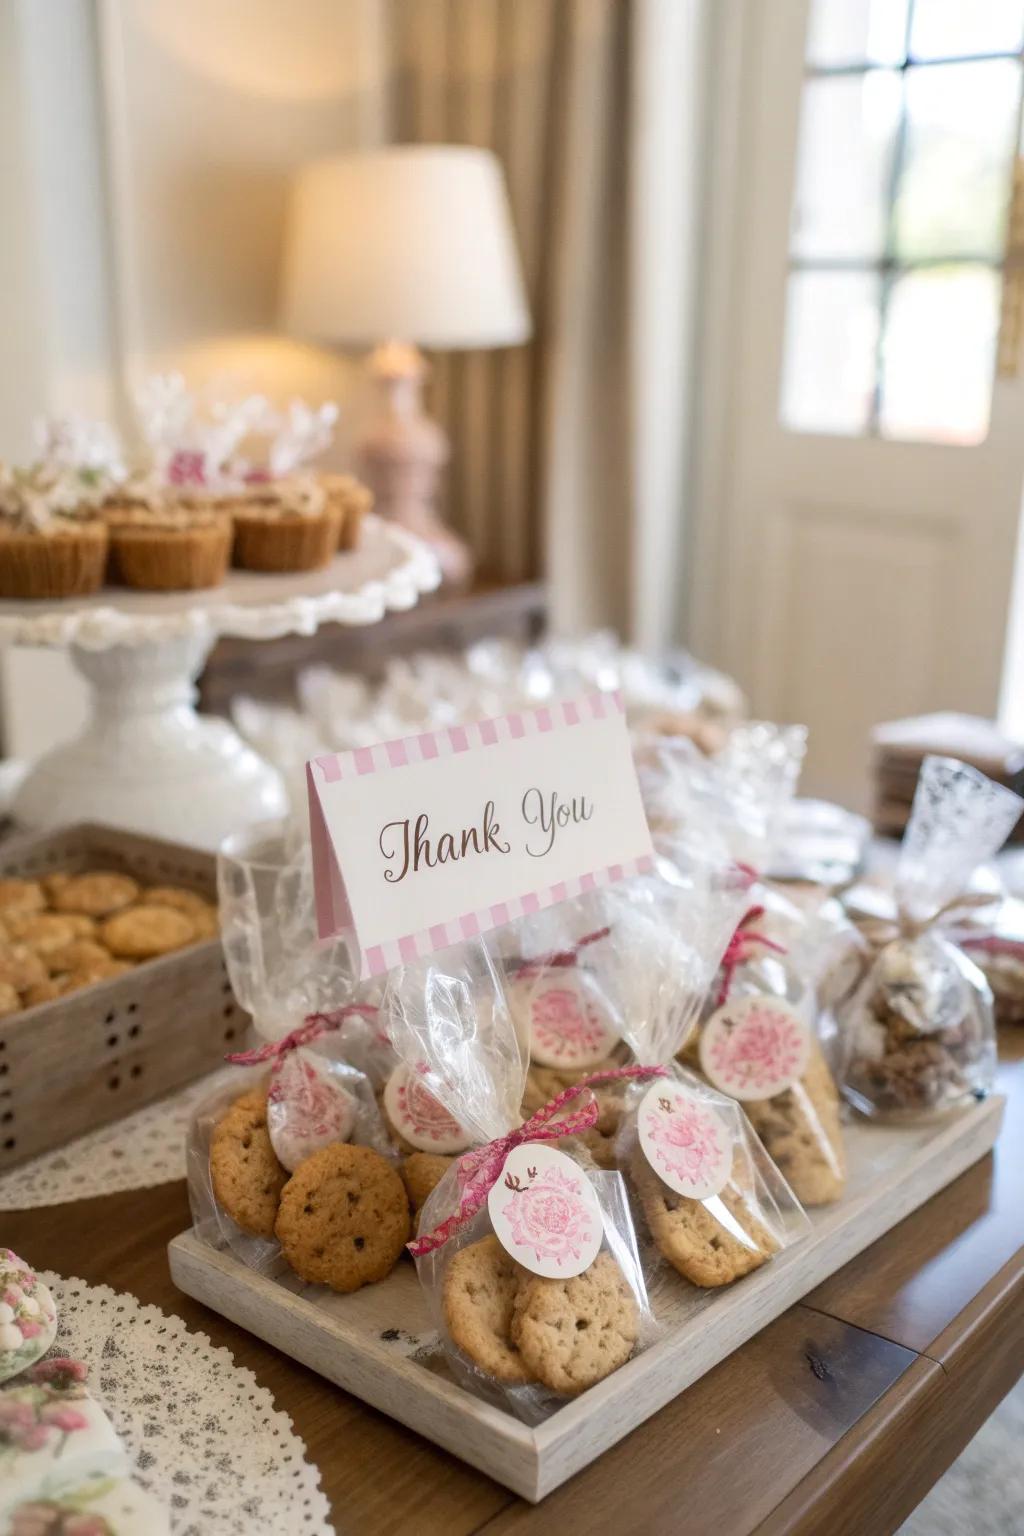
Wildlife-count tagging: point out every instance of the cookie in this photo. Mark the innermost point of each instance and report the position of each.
(801, 1133)
(77, 955)
(42, 931)
(247, 1177)
(692, 1238)
(96, 970)
(21, 896)
(55, 882)
(96, 894)
(420, 1122)
(572, 1333)
(175, 896)
(142, 932)
(421, 1173)
(47, 991)
(344, 1218)
(10, 1002)
(20, 966)
(480, 1288)
(202, 914)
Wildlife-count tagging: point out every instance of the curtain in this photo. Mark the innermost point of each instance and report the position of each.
(570, 454)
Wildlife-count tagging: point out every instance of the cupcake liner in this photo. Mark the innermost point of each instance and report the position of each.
(163, 559)
(272, 540)
(68, 563)
(352, 500)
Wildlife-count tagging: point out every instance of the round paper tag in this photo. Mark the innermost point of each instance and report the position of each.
(306, 1108)
(420, 1118)
(755, 1047)
(686, 1142)
(545, 1212)
(566, 1025)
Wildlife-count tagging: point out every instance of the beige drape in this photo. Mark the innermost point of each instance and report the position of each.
(570, 454)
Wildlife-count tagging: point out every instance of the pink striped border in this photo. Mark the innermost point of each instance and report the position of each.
(416, 946)
(386, 756)
(428, 745)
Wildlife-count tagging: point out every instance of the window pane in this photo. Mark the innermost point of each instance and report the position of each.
(945, 29)
(856, 32)
(938, 354)
(847, 133)
(828, 369)
(955, 188)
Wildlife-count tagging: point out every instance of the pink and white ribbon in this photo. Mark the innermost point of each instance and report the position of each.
(478, 1170)
(737, 951)
(312, 1027)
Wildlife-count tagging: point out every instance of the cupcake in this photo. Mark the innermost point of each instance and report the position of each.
(165, 543)
(53, 543)
(285, 525)
(352, 500)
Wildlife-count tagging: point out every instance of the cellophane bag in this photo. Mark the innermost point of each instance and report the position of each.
(526, 1253)
(714, 1203)
(993, 937)
(918, 1034)
(300, 1087)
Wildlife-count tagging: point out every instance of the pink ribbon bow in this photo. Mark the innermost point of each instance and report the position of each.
(737, 951)
(559, 958)
(479, 1169)
(312, 1027)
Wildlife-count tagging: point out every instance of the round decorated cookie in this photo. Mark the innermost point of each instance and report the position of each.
(566, 1025)
(307, 1108)
(420, 1119)
(480, 1288)
(28, 1317)
(755, 1047)
(572, 1333)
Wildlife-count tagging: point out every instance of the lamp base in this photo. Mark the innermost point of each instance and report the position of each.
(401, 454)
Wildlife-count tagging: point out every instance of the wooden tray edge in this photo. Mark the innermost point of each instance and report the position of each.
(489, 1439)
(533, 1462)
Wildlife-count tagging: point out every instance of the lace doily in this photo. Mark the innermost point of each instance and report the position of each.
(204, 1436)
(143, 1149)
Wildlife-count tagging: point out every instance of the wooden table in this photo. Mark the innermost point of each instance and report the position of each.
(838, 1417)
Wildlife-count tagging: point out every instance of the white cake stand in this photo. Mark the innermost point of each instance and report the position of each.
(146, 760)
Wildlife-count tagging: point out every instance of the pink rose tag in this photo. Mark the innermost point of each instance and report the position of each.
(685, 1140)
(755, 1048)
(306, 1108)
(420, 1118)
(565, 1023)
(545, 1212)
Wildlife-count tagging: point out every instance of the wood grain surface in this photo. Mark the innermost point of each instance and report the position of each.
(838, 1417)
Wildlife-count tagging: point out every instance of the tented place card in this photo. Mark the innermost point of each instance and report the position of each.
(421, 842)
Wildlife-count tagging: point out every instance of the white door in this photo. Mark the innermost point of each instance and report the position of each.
(861, 496)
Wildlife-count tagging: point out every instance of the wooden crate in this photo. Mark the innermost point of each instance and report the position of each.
(94, 1056)
(378, 1344)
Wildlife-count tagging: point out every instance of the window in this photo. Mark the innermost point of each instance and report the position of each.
(909, 131)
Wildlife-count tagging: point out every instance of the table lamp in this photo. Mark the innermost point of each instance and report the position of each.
(397, 249)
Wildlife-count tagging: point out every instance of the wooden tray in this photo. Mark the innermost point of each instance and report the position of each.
(73, 1065)
(378, 1344)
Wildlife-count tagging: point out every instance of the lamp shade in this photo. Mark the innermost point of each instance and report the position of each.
(413, 243)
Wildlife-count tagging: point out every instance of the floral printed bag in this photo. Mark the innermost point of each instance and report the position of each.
(525, 1249)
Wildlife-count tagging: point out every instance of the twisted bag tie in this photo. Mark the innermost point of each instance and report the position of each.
(880, 931)
(479, 1169)
(737, 951)
(312, 1027)
(559, 959)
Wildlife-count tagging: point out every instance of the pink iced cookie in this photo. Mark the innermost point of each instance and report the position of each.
(567, 1028)
(307, 1108)
(418, 1117)
(28, 1317)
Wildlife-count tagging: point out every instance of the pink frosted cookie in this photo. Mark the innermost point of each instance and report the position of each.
(566, 1024)
(28, 1317)
(307, 1108)
(419, 1118)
